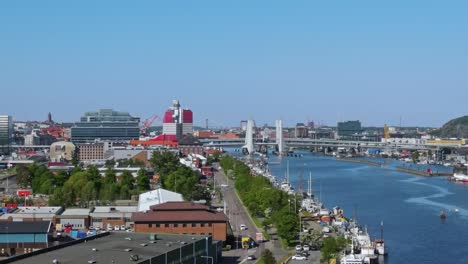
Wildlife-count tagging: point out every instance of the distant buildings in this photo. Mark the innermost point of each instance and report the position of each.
(301, 131)
(93, 151)
(6, 132)
(61, 151)
(107, 125)
(177, 121)
(349, 130)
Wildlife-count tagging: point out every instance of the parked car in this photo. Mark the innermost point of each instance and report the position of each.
(306, 247)
(109, 228)
(299, 257)
(251, 257)
(91, 228)
(117, 228)
(243, 227)
(298, 248)
(123, 227)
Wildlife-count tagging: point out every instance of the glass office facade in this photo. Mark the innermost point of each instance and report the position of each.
(106, 125)
(6, 131)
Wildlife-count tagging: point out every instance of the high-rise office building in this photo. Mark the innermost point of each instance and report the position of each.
(105, 125)
(349, 128)
(6, 132)
(177, 121)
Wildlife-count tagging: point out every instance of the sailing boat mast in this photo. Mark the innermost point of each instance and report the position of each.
(381, 230)
(287, 171)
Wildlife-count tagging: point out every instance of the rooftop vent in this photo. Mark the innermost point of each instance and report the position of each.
(128, 238)
(127, 249)
(95, 249)
(92, 261)
(143, 245)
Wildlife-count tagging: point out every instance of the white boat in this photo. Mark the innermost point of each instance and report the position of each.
(460, 177)
(285, 185)
(352, 258)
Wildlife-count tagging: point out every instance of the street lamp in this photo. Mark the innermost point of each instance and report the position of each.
(206, 249)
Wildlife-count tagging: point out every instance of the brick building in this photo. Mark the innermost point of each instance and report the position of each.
(182, 218)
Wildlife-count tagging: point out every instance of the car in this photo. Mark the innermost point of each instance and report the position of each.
(305, 230)
(110, 228)
(298, 248)
(299, 257)
(117, 228)
(243, 227)
(220, 209)
(223, 185)
(251, 257)
(129, 230)
(123, 227)
(306, 247)
(91, 228)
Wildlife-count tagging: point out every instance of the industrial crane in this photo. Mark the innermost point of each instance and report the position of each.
(147, 123)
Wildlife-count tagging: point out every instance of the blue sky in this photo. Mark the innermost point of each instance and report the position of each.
(326, 61)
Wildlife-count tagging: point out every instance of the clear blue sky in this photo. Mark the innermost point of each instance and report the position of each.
(327, 61)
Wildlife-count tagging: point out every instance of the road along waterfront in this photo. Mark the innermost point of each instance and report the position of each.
(409, 205)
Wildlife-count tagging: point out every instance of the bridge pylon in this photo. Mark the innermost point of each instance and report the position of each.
(279, 136)
(249, 142)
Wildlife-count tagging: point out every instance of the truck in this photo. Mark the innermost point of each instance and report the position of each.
(246, 242)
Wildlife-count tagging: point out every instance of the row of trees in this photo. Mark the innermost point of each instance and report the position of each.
(80, 187)
(263, 200)
(176, 177)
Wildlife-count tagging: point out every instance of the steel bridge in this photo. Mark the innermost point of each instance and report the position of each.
(332, 143)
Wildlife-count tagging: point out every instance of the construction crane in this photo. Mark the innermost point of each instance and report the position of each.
(386, 132)
(147, 123)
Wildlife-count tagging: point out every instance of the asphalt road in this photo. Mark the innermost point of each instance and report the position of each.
(237, 216)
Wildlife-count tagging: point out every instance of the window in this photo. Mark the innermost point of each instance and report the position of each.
(184, 225)
(150, 225)
(166, 225)
(202, 224)
(194, 225)
(176, 225)
(158, 225)
(210, 224)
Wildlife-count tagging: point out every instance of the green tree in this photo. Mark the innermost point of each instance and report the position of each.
(288, 226)
(142, 180)
(266, 223)
(57, 198)
(331, 247)
(88, 193)
(24, 176)
(184, 181)
(75, 160)
(126, 179)
(268, 257)
(165, 162)
(109, 177)
(109, 192)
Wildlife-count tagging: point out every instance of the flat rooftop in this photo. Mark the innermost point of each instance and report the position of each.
(38, 210)
(112, 247)
(76, 211)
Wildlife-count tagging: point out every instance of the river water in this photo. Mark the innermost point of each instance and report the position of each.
(408, 205)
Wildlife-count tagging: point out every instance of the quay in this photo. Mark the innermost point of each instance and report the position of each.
(367, 162)
(421, 172)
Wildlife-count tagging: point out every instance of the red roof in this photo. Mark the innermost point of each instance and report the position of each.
(164, 138)
(179, 206)
(180, 216)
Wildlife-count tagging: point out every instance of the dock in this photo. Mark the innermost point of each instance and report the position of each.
(422, 172)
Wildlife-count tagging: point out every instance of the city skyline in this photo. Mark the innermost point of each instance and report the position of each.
(367, 61)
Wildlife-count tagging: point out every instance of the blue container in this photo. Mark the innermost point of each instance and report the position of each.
(81, 234)
(74, 234)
